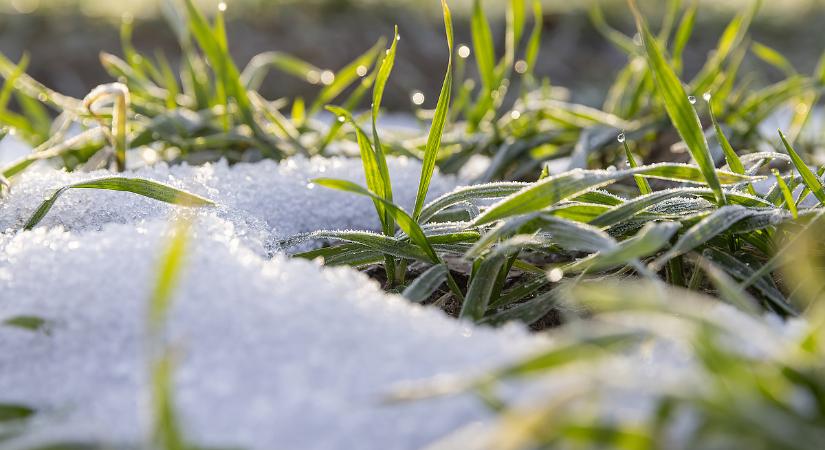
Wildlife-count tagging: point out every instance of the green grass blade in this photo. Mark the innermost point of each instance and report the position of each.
(31, 323)
(404, 220)
(385, 244)
(808, 177)
(708, 228)
(528, 312)
(425, 284)
(790, 203)
(146, 188)
(641, 182)
(731, 157)
(438, 123)
(678, 106)
(552, 190)
(10, 412)
(481, 287)
(383, 74)
(649, 240)
(531, 52)
(483, 47)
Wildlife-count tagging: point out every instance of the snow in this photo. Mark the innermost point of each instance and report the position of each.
(265, 201)
(270, 352)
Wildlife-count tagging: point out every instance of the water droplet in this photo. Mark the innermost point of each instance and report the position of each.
(12, 131)
(521, 66)
(361, 70)
(555, 275)
(707, 96)
(222, 6)
(463, 51)
(692, 99)
(42, 97)
(621, 138)
(398, 37)
(310, 185)
(313, 77)
(342, 119)
(327, 77)
(637, 39)
(417, 97)
(515, 114)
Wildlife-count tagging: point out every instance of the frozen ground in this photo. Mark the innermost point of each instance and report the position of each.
(271, 352)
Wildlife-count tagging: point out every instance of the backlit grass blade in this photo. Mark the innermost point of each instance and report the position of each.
(641, 182)
(469, 194)
(731, 157)
(678, 107)
(742, 271)
(649, 240)
(372, 167)
(482, 45)
(531, 52)
(345, 77)
(146, 188)
(256, 70)
(708, 228)
(383, 74)
(808, 177)
(404, 220)
(425, 284)
(790, 203)
(438, 123)
(552, 190)
(31, 323)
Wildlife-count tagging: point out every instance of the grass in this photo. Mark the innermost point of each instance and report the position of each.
(524, 240)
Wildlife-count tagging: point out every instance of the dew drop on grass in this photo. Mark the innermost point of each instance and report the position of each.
(555, 275)
(621, 138)
(222, 6)
(310, 185)
(327, 77)
(361, 70)
(42, 97)
(521, 66)
(515, 114)
(692, 99)
(707, 96)
(398, 37)
(463, 51)
(342, 119)
(417, 97)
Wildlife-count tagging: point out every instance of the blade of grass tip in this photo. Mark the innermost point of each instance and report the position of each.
(120, 95)
(641, 182)
(808, 177)
(731, 157)
(683, 33)
(384, 71)
(146, 188)
(439, 121)
(482, 44)
(678, 106)
(531, 53)
(786, 193)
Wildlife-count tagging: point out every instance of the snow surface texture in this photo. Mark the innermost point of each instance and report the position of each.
(266, 201)
(272, 354)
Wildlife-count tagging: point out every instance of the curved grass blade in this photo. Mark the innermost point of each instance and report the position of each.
(438, 123)
(552, 190)
(731, 157)
(385, 244)
(649, 240)
(404, 220)
(706, 229)
(425, 284)
(641, 182)
(146, 188)
(481, 287)
(528, 312)
(678, 106)
(790, 203)
(808, 177)
(381, 78)
(469, 193)
(12, 412)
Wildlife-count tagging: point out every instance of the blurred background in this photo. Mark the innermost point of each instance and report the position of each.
(64, 37)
